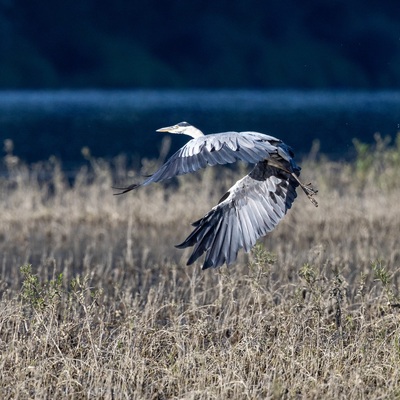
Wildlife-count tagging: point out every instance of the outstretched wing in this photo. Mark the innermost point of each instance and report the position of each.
(250, 209)
(217, 148)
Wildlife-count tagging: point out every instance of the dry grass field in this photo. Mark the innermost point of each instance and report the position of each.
(97, 303)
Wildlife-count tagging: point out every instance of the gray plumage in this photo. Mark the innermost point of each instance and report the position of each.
(252, 207)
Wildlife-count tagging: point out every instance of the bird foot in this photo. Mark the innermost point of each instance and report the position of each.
(310, 192)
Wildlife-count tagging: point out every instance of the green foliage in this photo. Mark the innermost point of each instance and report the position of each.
(262, 257)
(381, 272)
(39, 294)
(385, 277)
(48, 294)
(308, 273)
(378, 164)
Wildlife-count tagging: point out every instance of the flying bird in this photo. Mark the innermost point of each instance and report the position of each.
(252, 207)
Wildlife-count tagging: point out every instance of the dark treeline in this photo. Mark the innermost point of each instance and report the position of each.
(200, 43)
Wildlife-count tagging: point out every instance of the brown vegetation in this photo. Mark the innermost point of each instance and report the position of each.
(108, 308)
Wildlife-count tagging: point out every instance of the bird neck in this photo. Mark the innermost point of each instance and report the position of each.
(194, 132)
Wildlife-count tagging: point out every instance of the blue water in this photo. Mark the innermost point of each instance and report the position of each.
(45, 123)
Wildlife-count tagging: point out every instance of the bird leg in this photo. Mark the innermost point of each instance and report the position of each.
(308, 190)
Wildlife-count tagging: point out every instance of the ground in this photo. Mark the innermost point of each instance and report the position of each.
(97, 302)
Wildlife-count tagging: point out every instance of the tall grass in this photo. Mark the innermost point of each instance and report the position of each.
(97, 303)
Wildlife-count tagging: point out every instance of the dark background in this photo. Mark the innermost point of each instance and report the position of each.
(106, 74)
(200, 44)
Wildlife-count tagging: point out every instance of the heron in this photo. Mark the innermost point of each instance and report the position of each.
(252, 207)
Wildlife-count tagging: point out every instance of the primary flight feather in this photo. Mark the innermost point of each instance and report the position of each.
(252, 207)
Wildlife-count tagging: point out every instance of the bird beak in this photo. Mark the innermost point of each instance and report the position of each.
(166, 129)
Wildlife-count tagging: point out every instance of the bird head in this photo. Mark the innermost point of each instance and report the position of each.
(182, 128)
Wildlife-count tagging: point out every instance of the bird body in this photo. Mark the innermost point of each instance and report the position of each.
(252, 207)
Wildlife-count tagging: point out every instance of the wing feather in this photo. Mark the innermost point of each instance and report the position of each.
(217, 148)
(234, 238)
(215, 254)
(252, 208)
(249, 237)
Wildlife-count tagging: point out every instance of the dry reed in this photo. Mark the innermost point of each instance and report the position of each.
(108, 308)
